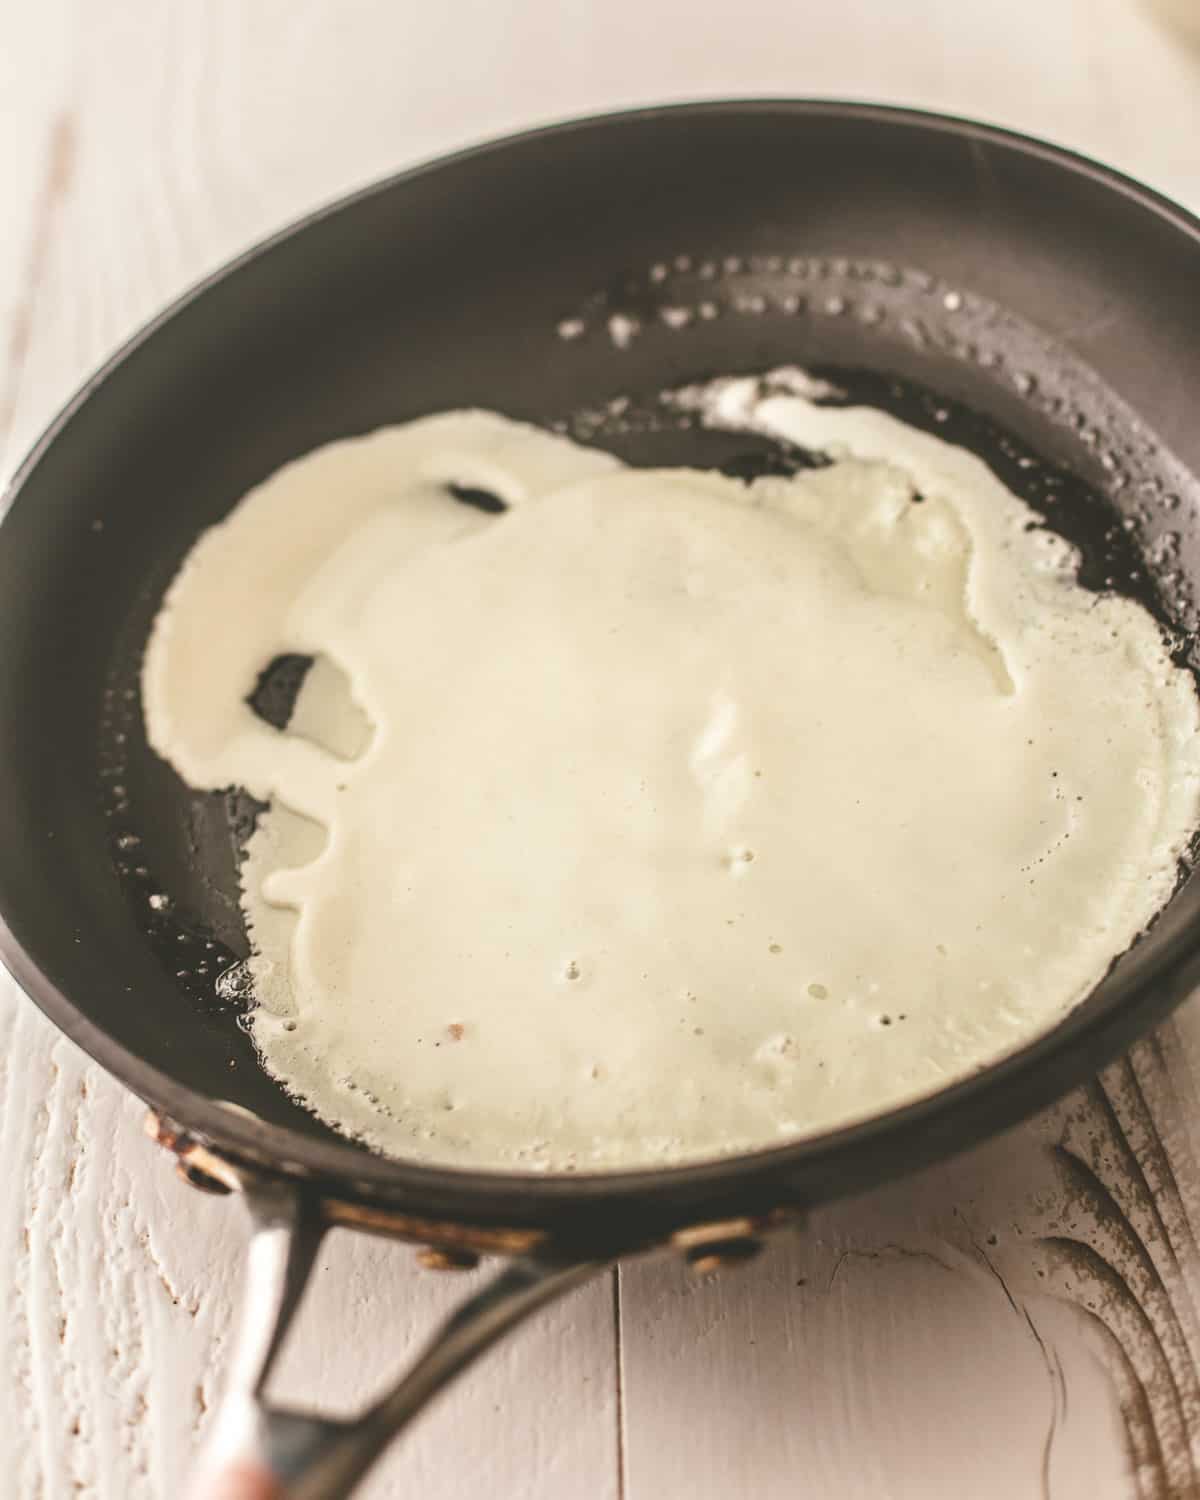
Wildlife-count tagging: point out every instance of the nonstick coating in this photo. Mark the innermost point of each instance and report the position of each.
(1052, 296)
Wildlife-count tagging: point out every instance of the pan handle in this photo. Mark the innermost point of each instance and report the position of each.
(260, 1451)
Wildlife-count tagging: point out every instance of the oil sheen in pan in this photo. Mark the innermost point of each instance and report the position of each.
(1126, 517)
(897, 338)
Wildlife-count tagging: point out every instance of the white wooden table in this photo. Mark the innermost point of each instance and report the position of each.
(1022, 1323)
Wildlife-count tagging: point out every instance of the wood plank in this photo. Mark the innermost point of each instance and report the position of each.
(120, 1285)
(880, 1351)
(1038, 1297)
(1022, 1321)
(35, 166)
(119, 1282)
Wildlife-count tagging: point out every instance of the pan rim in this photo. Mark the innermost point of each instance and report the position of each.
(933, 1126)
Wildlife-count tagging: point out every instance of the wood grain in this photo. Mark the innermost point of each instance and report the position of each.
(1022, 1322)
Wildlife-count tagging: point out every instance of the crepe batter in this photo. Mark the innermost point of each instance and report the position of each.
(664, 816)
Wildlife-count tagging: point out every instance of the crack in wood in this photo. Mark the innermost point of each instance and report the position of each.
(890, 1251)
(1057, 1397)
(1058, 1392)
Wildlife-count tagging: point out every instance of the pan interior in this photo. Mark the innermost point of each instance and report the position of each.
(1025, 311)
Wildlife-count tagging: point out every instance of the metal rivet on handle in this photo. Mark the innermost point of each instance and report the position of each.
(439, 1258)
(722, 1255)
(196, 1177)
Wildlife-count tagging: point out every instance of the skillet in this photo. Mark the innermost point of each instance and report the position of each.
(1022, 300)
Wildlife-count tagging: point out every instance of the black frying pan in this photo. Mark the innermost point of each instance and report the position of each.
(1033, 305)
